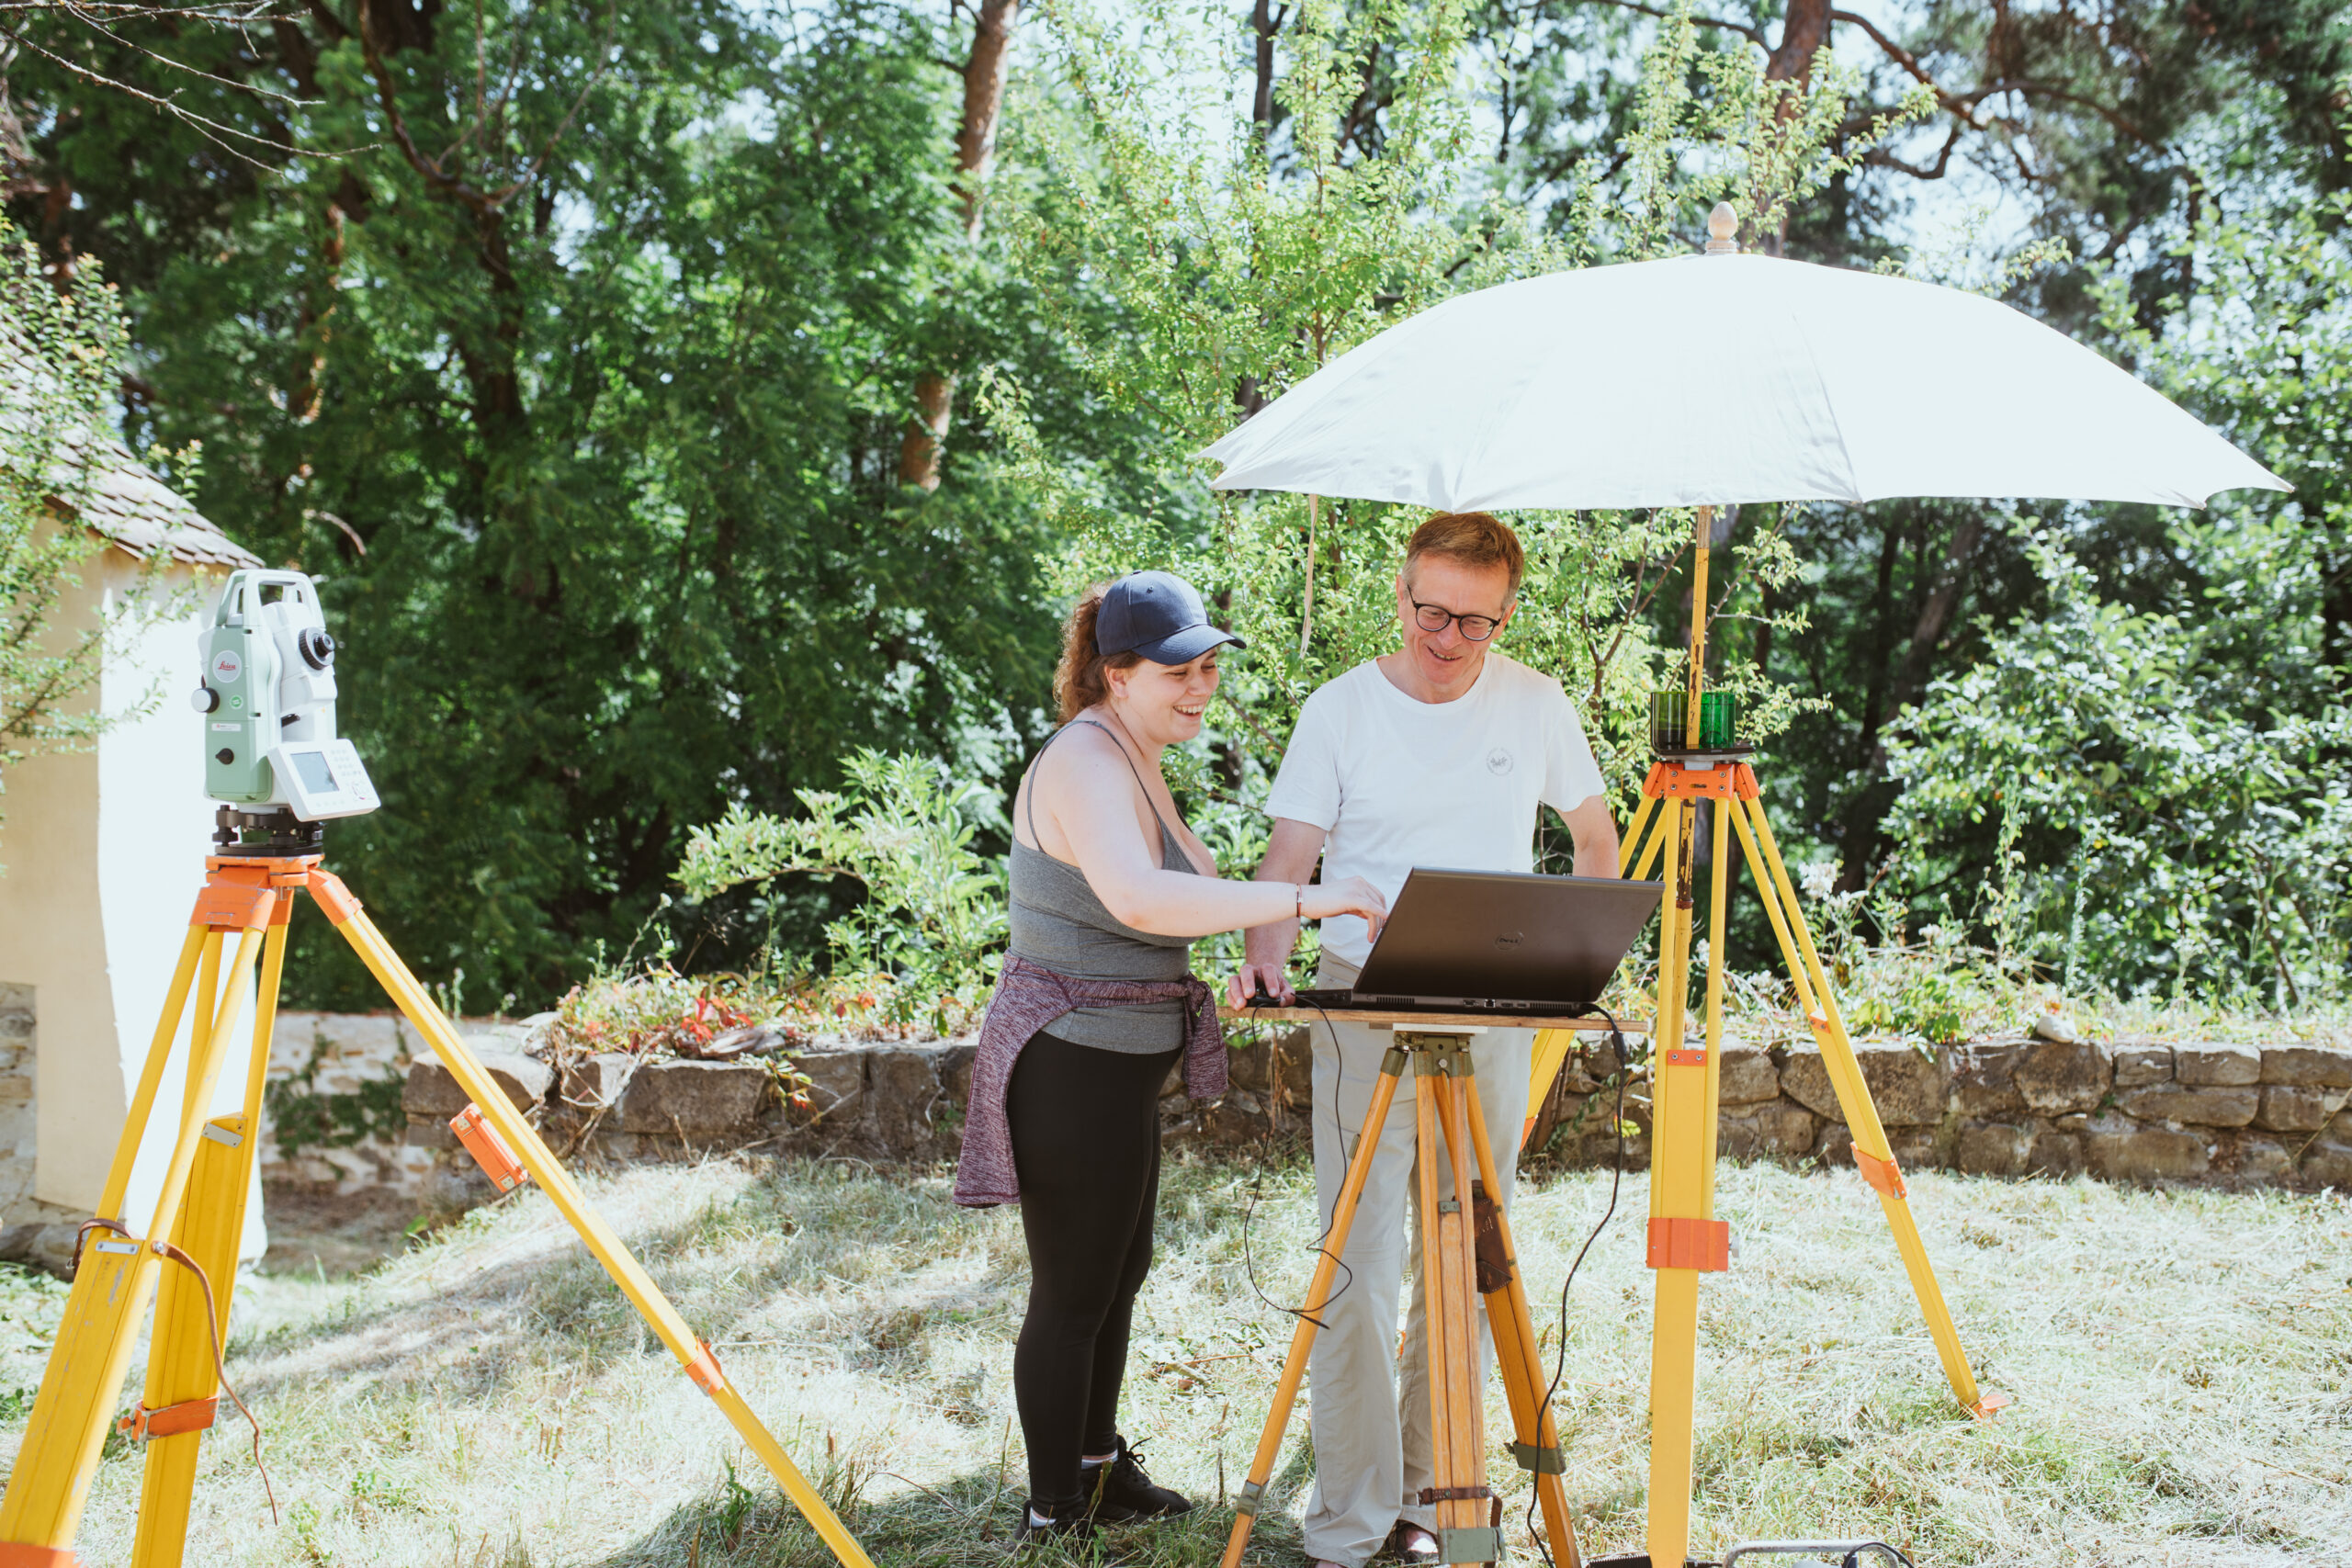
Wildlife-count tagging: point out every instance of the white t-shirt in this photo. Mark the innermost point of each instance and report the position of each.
(1395, 783)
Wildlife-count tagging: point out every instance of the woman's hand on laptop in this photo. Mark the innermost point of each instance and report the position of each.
(1349, 895)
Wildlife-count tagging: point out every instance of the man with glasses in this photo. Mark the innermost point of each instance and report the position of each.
(1438, 753)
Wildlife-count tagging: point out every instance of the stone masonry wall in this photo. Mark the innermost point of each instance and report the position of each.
(2132, 1110)
(331, 1118)
(2128, 1112)
(16, 1063)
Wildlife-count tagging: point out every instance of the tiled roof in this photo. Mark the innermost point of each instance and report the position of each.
(138, 514)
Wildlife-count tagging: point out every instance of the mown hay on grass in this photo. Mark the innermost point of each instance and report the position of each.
(2182, 1363)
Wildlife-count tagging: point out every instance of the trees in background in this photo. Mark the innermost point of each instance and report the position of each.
(673, 400)
(577, 372)
(2156, 762)
(2113, 130)
(60, 353)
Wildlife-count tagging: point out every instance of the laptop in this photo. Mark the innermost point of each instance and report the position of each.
(1496, 942)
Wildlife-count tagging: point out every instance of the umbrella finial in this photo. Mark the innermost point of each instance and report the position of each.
(1723, 223)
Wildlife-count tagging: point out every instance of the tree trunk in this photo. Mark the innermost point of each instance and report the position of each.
(984, 73)
(1265, 23)
(1802, 36)
(1871, 801)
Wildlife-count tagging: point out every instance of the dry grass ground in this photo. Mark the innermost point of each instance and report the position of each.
(2182, 1363)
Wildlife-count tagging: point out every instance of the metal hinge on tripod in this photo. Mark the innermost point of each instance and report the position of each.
(1252, 1497)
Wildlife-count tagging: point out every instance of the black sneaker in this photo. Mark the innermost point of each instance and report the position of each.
(1117, 1490)
(1044, 1522)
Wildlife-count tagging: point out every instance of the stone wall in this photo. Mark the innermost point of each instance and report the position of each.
(16, 1064)
(2132, 1110)
(331, 1114)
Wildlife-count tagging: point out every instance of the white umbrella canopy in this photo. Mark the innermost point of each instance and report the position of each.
(1721, 379)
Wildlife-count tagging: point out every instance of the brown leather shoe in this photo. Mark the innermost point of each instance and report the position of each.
(1410, 1543)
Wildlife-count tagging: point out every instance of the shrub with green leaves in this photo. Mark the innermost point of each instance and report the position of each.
(61, 356)
(2158, 837)
(933, 917)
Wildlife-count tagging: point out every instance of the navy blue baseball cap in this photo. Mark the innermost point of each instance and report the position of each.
(1159, 616)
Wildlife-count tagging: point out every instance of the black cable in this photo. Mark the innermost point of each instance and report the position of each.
(1257, 1188)
(1560, 1358)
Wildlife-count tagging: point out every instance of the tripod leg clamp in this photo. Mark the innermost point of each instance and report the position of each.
(189, 1415)
(1881, 1174)
(1252, 1498)
(1482, 1544)
(1683, 1243)
(1542, 1461)
(703, 1370)
(490, 1151)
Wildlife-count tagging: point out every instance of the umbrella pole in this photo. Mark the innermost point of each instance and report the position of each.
(1695, 678)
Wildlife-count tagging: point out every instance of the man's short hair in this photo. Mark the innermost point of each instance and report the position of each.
(1473, 538)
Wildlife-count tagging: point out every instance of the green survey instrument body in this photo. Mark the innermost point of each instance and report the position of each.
(239, 724)
(267, 699)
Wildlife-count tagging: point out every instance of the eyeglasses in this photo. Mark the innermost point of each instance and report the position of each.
(1435, 617)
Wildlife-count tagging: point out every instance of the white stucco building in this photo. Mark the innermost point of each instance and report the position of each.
(103, 850)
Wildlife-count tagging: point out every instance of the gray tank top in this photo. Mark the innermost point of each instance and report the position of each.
(1058, 922)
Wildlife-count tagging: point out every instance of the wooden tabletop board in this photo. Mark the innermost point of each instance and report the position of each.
(1433, 1022)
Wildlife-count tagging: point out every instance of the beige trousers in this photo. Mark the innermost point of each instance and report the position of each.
(1371, 1427)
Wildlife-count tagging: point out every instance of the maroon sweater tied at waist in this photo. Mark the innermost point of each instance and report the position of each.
(1029, 997)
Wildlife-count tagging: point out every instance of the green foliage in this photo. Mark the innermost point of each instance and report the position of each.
(934, 912)
(60, 351)
(2173, 839)
(1237, 259)
(2161, 756)
(607, 381)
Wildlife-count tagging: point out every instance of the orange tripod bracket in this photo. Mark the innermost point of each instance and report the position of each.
(490, 1150)
(1703, 1244)
(703, 1370)
(189, 1416)
(1881, 1174)
(232, 903)
(334, 899)
(1675, 781)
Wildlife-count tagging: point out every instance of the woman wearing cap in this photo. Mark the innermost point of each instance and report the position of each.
(1095, 1003)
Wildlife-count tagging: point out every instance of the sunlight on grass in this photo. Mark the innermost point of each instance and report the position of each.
(2182, 1363)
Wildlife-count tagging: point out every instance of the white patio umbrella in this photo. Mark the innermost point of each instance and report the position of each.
(1704, 381)
(1720, 379)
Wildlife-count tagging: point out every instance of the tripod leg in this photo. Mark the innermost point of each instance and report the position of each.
(700, 1365)
(92, 1350)
(202, 947)
(183, 1378)
(1639, 825)
(1457, 1428)
(1873, 1153)
(1318, 1292)
(1516, 1351)
(1656, 847)
(1685, 1240)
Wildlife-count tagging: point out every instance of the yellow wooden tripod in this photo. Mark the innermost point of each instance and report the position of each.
(200, 1215)
(1685, 1238)
(1466, 1257)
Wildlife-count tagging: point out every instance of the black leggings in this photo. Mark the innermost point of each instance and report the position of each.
(1085, 1127)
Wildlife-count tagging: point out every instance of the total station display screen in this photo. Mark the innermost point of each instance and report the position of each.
(317, 777)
